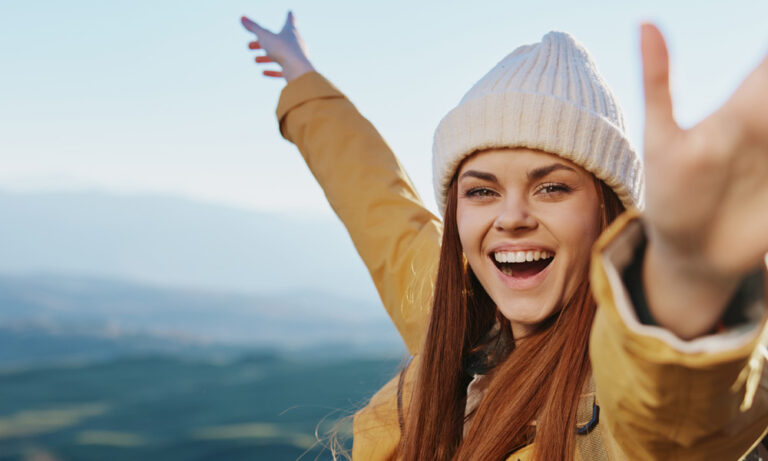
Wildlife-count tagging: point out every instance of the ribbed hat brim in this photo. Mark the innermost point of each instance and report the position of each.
(542, 122)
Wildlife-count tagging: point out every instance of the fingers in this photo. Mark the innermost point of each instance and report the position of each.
(252, 26)
(658, 101)
(264, 59)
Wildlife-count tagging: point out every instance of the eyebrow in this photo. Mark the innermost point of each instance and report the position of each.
(479, 175)
(539, 173)
(533, 175)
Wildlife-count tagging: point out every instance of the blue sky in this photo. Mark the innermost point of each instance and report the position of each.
(163, 97)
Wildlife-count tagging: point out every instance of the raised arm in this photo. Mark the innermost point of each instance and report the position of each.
(395, 235)
(678, 386)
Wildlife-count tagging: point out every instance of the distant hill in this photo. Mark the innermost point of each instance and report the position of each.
(28, 346)
(177, 242)
(64, 318)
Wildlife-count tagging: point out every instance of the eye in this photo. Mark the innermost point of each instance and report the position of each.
(553, 188)
(480, 192)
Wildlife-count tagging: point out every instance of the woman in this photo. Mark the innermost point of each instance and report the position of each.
(515, 361)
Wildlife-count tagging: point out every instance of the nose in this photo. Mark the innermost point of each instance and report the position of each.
(515, 215)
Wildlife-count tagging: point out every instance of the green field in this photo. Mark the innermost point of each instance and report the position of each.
(166, 408)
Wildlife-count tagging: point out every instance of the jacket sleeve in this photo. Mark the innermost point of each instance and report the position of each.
(397, 238)
(663, 398)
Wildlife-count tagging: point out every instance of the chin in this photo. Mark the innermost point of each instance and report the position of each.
(527, 316)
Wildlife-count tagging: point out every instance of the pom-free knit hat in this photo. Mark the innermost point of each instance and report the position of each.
(546, 96)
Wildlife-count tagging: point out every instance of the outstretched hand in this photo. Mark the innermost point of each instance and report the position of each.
(285, 48)
(707, 188)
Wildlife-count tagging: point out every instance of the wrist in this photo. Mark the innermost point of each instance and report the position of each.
(684, 295)
(292, 71)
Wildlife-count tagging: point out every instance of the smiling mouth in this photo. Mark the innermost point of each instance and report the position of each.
(523, 269)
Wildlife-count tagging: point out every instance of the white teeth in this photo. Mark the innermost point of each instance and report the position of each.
(521, 256)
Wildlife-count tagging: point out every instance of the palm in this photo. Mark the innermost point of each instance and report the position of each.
(707, 188)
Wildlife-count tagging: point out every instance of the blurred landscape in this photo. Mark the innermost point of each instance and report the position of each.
(160, 328)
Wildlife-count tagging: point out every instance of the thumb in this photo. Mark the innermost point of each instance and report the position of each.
(659, 115)
(290, 21)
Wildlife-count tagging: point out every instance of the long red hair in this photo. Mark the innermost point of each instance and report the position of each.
(539, 380)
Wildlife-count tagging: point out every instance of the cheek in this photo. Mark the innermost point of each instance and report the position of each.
(585, 228)
(463, 225)
(579, 229)
(471, 229)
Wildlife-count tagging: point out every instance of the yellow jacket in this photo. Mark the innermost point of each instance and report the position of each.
(660, 398)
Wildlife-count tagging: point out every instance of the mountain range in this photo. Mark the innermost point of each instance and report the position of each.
(88, 275)
(177, 242)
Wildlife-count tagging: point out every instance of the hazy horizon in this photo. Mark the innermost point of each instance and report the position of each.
(175, 241)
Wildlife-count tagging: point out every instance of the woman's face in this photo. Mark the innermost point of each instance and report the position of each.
(527, 221)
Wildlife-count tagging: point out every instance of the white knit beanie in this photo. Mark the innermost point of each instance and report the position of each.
(546, 96)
